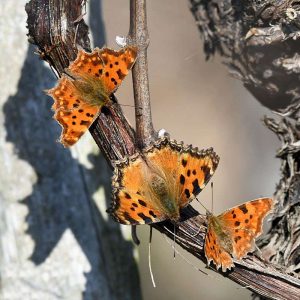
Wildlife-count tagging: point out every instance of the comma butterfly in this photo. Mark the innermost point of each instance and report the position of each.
(86, 87)
(154, 185)
(233, 232)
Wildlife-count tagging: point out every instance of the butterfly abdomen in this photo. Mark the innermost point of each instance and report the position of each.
(221, 233)
(159, 188)
(92, 90)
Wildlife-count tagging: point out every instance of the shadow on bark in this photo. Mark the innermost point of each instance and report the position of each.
(61, 197)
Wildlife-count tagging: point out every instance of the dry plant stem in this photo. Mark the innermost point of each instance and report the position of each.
(259, 42)
(138, 34)
(115, 138)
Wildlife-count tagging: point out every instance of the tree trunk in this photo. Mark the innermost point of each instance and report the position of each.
(57, 240)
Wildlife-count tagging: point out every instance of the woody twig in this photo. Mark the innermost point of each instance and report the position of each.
(138, 34)
(115, 137)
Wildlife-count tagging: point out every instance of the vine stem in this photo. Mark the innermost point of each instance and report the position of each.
(138, 35)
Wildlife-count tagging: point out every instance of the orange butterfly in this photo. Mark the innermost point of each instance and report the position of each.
(154, 185)
(89, 82)
(233, 232)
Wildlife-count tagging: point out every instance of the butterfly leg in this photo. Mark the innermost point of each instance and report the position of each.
(134, 236)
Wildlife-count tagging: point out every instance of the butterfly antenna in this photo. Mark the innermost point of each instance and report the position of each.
(127, 105)
(212, 196)
(207, 211)
(149, 258)
(174, 241)
(134, 236)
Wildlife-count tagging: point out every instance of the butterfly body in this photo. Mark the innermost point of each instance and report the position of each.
(233, 233)
(157, 189)
(92, 90)
(156, 184)
(222, 233)
(86, 87)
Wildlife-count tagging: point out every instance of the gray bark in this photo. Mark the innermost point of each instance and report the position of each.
(56, 239)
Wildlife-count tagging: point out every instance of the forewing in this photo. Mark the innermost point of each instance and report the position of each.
(87, 64)
(194, 171)
(116, 65)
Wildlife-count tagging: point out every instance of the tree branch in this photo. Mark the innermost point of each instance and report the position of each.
(138, 35)
(114, 136)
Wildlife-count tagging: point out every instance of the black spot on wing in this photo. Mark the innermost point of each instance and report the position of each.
(196, 187)
(184, 162)
(127, 196)
(121, 75)
(145, 218)
(237, 238)
(237, 223)
(182, 179)
(151, 213)
(143, 203)
(187, 193)
(243, 208)
(85, 123)
(128, 218)
(206, 172)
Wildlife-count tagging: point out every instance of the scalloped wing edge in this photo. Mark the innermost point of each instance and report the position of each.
(158, 144)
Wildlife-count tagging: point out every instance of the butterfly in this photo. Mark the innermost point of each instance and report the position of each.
(85, 88)
(233, 232)
(157, 183)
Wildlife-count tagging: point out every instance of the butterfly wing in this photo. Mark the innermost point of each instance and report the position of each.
(71, 112)
(153, 181)
(215, 252)
(185, 169)
(116, 65)
(194, 171)
(132, 203)
(105, 64)
(244, 224)
(92, 78)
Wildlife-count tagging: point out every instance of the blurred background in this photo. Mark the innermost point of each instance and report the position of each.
(194, 100)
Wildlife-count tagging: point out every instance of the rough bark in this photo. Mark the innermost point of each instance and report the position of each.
(55, 241)
(252, 272)
(258, 42)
